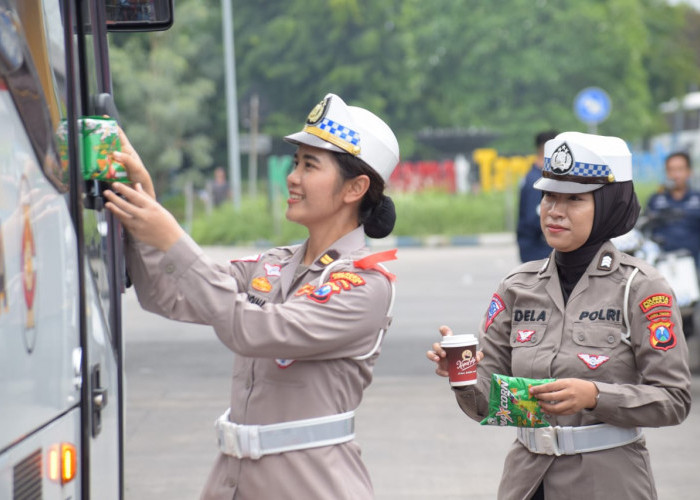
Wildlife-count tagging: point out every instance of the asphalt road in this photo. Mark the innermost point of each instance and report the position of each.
(416, 443)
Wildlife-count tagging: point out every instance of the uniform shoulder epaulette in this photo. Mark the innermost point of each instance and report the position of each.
(530, 267)
(373, 261)
(644, 267)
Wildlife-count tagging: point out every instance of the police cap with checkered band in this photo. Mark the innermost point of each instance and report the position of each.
(580, 163)
(335, 126)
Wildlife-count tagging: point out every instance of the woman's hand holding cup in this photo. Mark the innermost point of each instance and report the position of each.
(438, 355)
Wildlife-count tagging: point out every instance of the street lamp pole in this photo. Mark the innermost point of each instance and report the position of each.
(234, 159)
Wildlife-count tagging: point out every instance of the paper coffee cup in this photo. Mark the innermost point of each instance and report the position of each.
(461, 358)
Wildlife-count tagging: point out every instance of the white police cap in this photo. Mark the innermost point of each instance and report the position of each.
(579, 163)
(335, 126)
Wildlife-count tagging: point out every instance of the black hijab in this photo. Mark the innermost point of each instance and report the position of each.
(616, 212)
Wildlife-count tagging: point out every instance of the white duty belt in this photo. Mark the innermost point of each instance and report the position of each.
(255, 441)
(572, 440)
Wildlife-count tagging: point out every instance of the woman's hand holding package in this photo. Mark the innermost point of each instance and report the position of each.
(133, 165)
(566, 396)
(143, 216)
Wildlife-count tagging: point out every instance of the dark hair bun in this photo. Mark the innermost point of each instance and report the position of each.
(381, 220)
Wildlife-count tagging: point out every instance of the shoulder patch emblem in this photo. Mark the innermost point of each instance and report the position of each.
(261, 283)
(338, 281)
(305, 290)
(495, 308)
(657, 300)
(347, 278)
(661, 313)
(593, 361)
(662, 336)
(272, 269)
(524, 335)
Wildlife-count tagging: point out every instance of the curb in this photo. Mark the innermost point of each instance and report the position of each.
(433, 241)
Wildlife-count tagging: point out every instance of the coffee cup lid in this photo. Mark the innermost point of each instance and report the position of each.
(459, 340)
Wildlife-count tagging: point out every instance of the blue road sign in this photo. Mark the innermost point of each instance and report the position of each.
(592, 105)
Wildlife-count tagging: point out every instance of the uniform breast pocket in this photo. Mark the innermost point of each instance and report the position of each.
(600, 344)
(527, 335)
(599, 336)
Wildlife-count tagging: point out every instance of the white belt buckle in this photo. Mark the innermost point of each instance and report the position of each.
(227, 434)
(546, 441)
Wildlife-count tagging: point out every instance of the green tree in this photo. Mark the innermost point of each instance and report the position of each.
(165, 83)
(515, 66)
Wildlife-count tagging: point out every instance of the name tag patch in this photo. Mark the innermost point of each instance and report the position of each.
(529, 315)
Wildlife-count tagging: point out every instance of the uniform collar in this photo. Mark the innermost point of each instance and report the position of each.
(606, 260)
(354, 240)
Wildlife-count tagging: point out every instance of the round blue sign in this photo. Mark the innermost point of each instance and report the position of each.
(592, 105)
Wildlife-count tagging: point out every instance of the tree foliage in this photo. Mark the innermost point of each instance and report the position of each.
(512, 67)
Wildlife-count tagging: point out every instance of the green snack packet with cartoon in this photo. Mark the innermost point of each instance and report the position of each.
(100, 140)
(510, 402)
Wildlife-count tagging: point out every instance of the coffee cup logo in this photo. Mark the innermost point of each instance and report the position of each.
(468, 360)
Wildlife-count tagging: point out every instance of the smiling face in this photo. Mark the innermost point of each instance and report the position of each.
(566, 219)
(315, 187)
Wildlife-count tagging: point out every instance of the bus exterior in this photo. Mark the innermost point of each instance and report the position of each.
(61, 265)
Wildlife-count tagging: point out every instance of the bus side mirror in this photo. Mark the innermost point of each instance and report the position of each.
(138, 15)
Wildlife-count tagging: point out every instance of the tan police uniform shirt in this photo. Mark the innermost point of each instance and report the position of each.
(528, 331)
(293, 345)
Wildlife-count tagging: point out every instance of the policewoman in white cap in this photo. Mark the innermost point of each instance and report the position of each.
(605, 325)
(305, 322)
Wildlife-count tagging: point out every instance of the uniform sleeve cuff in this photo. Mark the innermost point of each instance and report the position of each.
(180, 257)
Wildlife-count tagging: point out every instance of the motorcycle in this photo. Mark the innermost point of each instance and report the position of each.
(677, 266)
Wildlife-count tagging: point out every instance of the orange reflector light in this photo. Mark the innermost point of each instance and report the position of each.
(62, 463)
(54, 463)
(69, 459)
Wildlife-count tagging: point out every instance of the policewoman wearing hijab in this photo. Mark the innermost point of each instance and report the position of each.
(604, 324)
(305, 322)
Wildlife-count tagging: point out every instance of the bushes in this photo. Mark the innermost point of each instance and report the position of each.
(418, 214)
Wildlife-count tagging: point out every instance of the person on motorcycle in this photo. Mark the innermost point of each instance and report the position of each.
(676, 208)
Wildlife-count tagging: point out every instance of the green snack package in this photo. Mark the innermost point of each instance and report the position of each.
(100, 140)
(510, 402)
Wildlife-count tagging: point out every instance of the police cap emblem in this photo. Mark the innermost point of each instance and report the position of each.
(319, 111)
(562, 160)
